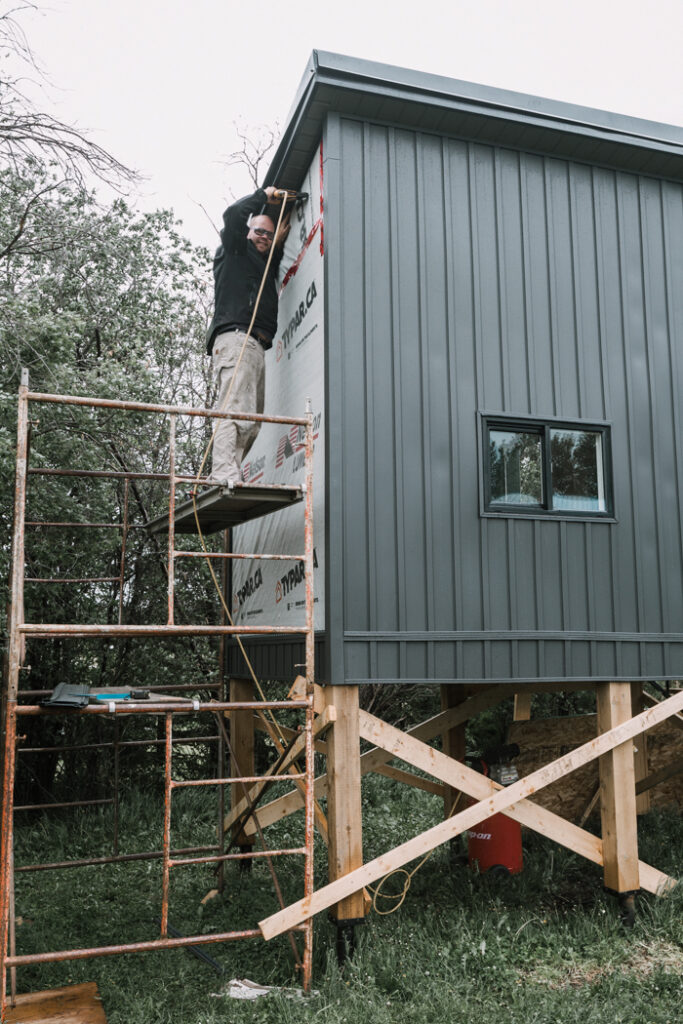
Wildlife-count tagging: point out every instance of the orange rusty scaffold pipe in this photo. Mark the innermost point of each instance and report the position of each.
(20, 631)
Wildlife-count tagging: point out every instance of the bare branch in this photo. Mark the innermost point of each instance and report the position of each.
(26, 131)
(208, 216)
(256, 142)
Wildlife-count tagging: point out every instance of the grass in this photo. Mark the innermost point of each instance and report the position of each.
(545, 947)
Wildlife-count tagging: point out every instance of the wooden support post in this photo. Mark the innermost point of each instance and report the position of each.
(640, 751)
(242, 744)
(453, 740)
(618, 792)
(345, 850)
(522, 710)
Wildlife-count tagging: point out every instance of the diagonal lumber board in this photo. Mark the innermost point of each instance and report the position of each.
(676, 720)
(408, 779)
(372, 759)
(502, 800)
(320, 819)
(459, 776)
(285, 805)
(320, 724)
(667, 772)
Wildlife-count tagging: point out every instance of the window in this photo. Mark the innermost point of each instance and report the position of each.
(534, 467)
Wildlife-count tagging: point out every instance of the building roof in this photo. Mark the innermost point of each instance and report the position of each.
(446, 106)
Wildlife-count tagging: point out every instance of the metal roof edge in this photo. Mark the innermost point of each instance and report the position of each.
(493, 99)
(294, 117)
(333, 71)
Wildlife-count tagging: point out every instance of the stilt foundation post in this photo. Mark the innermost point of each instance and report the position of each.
(618, 792)
(344, 814)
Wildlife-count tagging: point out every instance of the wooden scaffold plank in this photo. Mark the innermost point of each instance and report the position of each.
(73, 1004)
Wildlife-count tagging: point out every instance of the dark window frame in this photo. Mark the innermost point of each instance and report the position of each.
(543, 427)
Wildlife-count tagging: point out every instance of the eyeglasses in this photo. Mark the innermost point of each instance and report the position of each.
(263, 233)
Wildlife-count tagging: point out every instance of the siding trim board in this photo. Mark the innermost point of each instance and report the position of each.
(543, 635)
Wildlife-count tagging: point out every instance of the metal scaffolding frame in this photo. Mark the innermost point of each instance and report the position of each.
(20, 630)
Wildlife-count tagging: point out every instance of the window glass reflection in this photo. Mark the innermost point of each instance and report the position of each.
(515, 468)
(576, 464)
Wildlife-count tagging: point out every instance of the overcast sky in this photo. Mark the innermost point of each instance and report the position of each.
(160, 84)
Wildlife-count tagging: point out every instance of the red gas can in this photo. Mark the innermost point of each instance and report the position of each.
(496, 843)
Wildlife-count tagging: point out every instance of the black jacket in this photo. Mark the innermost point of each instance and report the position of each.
(237, 272)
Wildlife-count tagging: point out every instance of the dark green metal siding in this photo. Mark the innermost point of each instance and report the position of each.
(464, 278)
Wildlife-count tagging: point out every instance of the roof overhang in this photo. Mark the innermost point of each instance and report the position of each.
(385, 94)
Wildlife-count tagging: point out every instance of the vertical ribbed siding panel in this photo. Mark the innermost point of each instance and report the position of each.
(519, 369)
(672, 256)
(594, 386)
(357, 393)
(351, 392)
(382, 354)
(486, 325)
(409, 395)
(438, 469)
(397, 483)
(333, 669)
(375, 411)
(462, 381)
(603, 561)
(637, 417)
(622, 595)
(663, 402)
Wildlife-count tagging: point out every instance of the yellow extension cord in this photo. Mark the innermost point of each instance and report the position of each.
(400, 896)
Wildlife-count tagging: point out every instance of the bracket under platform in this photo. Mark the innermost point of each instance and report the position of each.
(219, 508)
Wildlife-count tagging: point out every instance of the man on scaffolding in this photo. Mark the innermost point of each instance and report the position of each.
(244, 321)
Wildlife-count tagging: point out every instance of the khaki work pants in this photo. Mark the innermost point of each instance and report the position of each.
(234, 438)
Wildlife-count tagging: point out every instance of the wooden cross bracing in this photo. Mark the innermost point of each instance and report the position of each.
(612, 746)
(375, 760)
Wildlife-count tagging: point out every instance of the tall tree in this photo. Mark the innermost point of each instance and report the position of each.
(110, 303)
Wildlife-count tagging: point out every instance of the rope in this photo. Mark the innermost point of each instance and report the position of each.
(400, 897)
(200, 472)
(273, 726)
